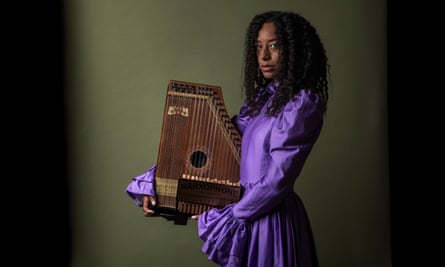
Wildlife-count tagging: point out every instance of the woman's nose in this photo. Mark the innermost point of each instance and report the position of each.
(264, 54)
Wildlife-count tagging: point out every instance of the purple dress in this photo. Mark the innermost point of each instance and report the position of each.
(269, 225)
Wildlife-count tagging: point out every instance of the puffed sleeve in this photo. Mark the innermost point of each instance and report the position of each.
(241, 119)
(291, 138)
(141, 185)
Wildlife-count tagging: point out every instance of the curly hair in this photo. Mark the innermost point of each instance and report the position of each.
(303, 61)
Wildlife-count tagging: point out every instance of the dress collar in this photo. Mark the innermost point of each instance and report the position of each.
(272, 87)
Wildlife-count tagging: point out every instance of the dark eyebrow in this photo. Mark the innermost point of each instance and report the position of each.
(272, 40)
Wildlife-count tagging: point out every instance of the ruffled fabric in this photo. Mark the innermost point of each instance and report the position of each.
(283, 238)
(241, 119)
(141, 185)
(272, 87)
(269, 225)
(225, 237)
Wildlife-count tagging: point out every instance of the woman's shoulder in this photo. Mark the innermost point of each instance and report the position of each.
(306, 100)
(304, 109)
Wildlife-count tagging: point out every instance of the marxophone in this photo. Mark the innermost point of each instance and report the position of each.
(198, 163)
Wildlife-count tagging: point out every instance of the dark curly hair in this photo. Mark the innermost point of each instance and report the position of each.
(303, 61)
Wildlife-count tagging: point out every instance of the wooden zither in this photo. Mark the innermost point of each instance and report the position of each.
(198, 162)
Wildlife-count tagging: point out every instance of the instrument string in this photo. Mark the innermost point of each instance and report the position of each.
(193, 121)
(213, 125)
(174, 107)
(199, 141)
(226, 155)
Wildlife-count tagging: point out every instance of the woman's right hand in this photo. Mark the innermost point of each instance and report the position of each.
(147, 200)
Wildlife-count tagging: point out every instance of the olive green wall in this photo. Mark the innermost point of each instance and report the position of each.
(121, 55)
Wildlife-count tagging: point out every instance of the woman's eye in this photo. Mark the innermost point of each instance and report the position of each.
(274, 45)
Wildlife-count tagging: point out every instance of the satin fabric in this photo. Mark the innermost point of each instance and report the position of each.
(269, 226)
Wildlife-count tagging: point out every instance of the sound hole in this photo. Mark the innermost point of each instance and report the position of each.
(198, 159)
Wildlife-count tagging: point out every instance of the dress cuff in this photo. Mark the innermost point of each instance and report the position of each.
(141, 185)
(224, 236)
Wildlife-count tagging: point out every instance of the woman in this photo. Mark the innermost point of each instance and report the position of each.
(286, 93)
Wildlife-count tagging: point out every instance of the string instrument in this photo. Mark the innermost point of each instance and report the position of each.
(198, 163)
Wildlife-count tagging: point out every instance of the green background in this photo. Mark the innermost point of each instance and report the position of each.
(120, 57)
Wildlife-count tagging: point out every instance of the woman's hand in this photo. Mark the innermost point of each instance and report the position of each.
(147, 200)
(195, 217)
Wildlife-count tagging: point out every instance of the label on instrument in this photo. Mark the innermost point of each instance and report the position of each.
(214, 194)
(175, 110)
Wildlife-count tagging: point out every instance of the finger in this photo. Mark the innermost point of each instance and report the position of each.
(148, 212)
(145, 206)
(152, 201)
(145, 202)
(195, 217)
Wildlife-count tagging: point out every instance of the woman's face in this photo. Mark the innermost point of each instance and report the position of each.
(268, 51)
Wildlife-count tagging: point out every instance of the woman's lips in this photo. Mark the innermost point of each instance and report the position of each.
(267, 68)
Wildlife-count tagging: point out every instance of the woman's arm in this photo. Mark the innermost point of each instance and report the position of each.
(290, 141)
